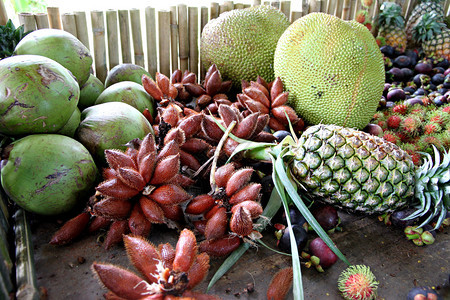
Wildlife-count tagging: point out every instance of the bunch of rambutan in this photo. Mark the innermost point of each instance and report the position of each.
(415, 128)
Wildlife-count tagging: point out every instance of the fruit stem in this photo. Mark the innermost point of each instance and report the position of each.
(212, 179)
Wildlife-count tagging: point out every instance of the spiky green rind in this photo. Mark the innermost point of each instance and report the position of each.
(357, 282)
(433, 188)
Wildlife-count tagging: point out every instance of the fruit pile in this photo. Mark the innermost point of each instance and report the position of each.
(219, 158)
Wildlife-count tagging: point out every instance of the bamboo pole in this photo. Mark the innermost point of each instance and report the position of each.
(352, 9)
(203, 22)
(184, 37)
(238, 5)
(256, 2)
(346, 10)
(409, 9)
(357, 7)
(338, 9)
(247, 5)
(69, 23)
(295, 15)
(82, 28)
(331, 7)
(137, 37)
(214, 10)
(3, 14)
(375, 11)
(150, 24)
(305, 7)
(28, 21)
(314, 6)
(98, 31)
(113, 38)
(124, 28)
(229, 4)
(54, 17)
(285, 7)
(275, 4)
(193, 39)
(164, 42)
(41, 20)
(447, 8)
(223, 8)
(174, 38)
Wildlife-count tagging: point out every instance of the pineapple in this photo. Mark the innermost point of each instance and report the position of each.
(425, 6)
(433, 36)
(392, 25)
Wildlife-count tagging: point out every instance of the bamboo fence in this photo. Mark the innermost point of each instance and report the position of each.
(166, 40)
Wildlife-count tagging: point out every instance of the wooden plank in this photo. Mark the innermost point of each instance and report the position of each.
(98, 31)
(203, 21)
(82, 27)
(174, 38)
(295, 15)
(150, 25)
(353, 5)
(346, 10)
(193, 40)
(338, 8)
(214, 10)
(275, 4)
(54, 17)
(256, 2)
(124, 29)
(41, 20)
(3, 14)
(28, 21)
(164, 41)
(285, 7)
(69, 23)
(113, 38)
(135, 17)
(184, 37)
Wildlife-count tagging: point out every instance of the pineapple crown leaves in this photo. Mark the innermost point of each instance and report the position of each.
(428, 26)
(10, 36)
(390, 14)
(433, 187)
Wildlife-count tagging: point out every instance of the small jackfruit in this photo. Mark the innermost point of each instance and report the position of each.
(332, 68)
(242, 42)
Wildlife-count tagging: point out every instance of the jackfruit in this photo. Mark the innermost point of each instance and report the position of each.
(333, 70)
(242, 42)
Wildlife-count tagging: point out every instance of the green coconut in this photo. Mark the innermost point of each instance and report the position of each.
(48, 174)
(60, 46)
(90, 91)
(71, 126)
(110, 126)
(125, 72)
(37, 95)
(130, 93)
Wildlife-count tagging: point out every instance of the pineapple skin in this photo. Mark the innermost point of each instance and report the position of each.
(439, 45)
(418, 11)
(353, 170)
(394, 36)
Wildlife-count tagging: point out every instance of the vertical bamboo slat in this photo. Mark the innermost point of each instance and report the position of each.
(256, 2)
(247, 5)
(285, 7)
(54, 17)
(356, 8)
(3, 14)
(137, 37)
(331, 7)
(184, 37)
(275, 4)
(295, 15)
(82, 28)
(113, 38)
(409, 8)
(164, 42)
(193, 39)
(338, 8)
(352, 8)
(69, 23)
(223, 8)
(124, 28)
(98, 30)
(214, 10)
(174, 38)
(28, 21)
(314, 6)
(203, 21)
(447, 8)
(238, 5)
(229, 4)
(41, 20)
(150, 23)
(305, 7)
(346, 10)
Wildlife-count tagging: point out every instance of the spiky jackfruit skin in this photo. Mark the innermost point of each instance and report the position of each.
(332, 68)
(242, 42)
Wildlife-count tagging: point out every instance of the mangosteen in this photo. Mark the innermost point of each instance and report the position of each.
(409, 90)
(419, 92)
(447, 72)
(423, 292)
(323, 252)
(416, 79)
(430, 87)
(373, 129)
(281, 134)
(382, 102)
(397, 218)
(438, 78)
(301, 237)
(438, 70)
(390, 104)
(326, 216)
(402, 61)
(407, 73)
(423, 67)
(413, 56)
(396, 94)
(443, 63)
(414, 101)
(387, 86)
(442, 90)
(295, 216)
(387, 50)
(396, 74)
(446, 83)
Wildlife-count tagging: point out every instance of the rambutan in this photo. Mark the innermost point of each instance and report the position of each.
(444, 137)
(400, 109)
(391, 137)
(415, 157)
(438, 116)
(431, 128)
(446, 109)
(381, 41)
(368, 25)
(367, 3)
(404, 138)
(361, 16)
(411, 125)
(358, 283)
(394, 121)
(426, 141)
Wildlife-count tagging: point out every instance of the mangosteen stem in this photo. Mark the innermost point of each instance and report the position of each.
(212, 179)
